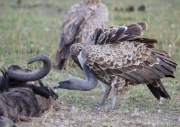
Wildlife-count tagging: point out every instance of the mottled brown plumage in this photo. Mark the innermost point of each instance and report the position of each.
(119, 57)
(80, 22)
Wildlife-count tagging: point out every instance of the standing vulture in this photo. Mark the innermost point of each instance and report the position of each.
(80, 22)
(119, 57)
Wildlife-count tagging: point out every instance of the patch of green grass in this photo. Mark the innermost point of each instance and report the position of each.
(34, 28)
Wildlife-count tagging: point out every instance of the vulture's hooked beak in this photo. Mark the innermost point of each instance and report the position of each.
(57, 86)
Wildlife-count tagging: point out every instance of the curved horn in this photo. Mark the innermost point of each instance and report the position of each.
(32, 76)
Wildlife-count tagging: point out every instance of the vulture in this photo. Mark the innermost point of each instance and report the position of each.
(22, 94)
(120, 57)
(80, 22)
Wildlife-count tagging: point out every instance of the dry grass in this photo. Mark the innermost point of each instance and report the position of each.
(35, 27)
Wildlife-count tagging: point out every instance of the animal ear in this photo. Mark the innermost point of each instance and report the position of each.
(53, 94)
(42, 91)
(4, 86)
(1, 113)
(41, 83)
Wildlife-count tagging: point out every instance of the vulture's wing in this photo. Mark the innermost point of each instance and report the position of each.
(74, 18)
(114, 35)
(119, 51)
(79, 23)
(131, 60)
(117, 34)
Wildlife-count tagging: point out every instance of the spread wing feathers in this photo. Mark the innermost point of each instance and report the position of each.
(118, 34)
(131, 61)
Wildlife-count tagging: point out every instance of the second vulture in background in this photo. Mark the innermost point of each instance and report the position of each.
(80, 22)
(118, 57)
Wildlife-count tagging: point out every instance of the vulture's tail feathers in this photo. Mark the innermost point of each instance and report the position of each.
(165, 64)
(158, 90)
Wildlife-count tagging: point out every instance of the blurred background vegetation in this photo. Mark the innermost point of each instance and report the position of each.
(30, 27)
(33, 27)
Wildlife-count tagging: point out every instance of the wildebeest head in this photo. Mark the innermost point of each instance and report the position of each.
(22, 93)
(17, 76)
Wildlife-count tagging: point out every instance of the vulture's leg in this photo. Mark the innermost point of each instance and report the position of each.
(67, 66)
(106, 88)
(122, 86)
(113, 101)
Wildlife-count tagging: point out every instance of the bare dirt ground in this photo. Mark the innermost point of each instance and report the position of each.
(70, 116)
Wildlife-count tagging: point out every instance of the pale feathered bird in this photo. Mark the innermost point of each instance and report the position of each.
(80, 22)
(118, 57)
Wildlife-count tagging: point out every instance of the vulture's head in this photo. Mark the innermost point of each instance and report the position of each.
(70, 83)
(64, 84)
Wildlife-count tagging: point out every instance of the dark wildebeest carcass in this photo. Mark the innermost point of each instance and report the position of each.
(22, 92)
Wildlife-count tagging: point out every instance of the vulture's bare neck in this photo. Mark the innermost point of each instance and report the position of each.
(92, 2)
(80, 84)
